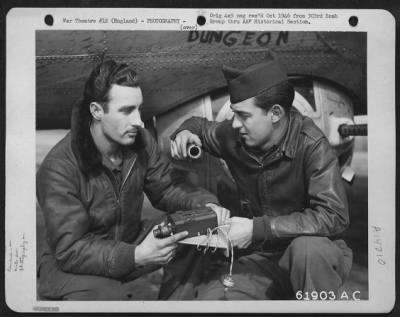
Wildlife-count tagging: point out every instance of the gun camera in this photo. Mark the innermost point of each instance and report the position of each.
(196, 222)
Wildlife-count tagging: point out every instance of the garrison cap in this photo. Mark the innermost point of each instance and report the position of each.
(247, 83)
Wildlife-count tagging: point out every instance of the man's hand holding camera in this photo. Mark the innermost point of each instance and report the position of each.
(158, 251)
(240, 231)
(223, 214)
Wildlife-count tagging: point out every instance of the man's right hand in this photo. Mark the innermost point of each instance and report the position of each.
(182, 140)
(157, 251)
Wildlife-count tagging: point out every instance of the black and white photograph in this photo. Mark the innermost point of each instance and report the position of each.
(210, 163)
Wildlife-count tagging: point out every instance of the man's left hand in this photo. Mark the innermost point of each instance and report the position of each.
(223, 214)
(240, 231)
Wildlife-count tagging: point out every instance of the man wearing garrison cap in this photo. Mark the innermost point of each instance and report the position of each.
(292, 199)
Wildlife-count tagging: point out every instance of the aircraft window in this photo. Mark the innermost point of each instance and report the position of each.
(304, 86)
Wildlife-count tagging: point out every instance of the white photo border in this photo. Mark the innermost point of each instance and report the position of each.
(22, 23)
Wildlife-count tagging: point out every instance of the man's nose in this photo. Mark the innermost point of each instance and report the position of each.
(136, 119)
(236, 123)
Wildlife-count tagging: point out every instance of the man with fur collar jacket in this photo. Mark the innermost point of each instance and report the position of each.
(91, 186)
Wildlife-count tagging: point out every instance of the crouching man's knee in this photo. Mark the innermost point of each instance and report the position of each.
(317, 263)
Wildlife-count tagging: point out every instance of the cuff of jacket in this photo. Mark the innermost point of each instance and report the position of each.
(208, 200)
(262, 229)
(123, 259)
(186, 125)
(173, 135)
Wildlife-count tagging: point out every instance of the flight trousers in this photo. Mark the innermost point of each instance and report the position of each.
(308, 264)
(54, 284)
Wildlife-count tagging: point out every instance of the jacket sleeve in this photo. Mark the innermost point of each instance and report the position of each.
(166, 189)
(77, 250)
(326, 212)
(206, 131)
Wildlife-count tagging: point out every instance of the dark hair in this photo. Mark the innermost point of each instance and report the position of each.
(99, 83)
(282, 94)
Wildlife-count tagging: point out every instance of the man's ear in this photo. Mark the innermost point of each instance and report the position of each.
(96, 110)
(277, 112)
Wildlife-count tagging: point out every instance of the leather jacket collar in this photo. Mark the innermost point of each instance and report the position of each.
(289, 144)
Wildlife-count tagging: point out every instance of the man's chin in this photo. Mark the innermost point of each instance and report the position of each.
(247, 142)
(250, 145)
(128, 141)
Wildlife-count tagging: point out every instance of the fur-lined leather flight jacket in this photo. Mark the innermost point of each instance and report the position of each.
(294, 190)
(91, 223)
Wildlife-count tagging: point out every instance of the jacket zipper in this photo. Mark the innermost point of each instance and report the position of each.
(119, 200)
(126, 177)
(276, 157)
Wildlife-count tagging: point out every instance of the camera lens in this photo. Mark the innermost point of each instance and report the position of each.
(194, 151)
(163, 231)
(157, 232)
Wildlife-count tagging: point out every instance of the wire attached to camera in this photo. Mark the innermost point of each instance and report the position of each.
(227, 280)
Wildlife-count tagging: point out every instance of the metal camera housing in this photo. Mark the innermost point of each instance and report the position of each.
(195, 222)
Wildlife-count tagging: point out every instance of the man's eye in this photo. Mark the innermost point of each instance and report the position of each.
(243, 115)
(127, 110)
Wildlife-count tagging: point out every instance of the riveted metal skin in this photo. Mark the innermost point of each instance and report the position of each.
(176, 67)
